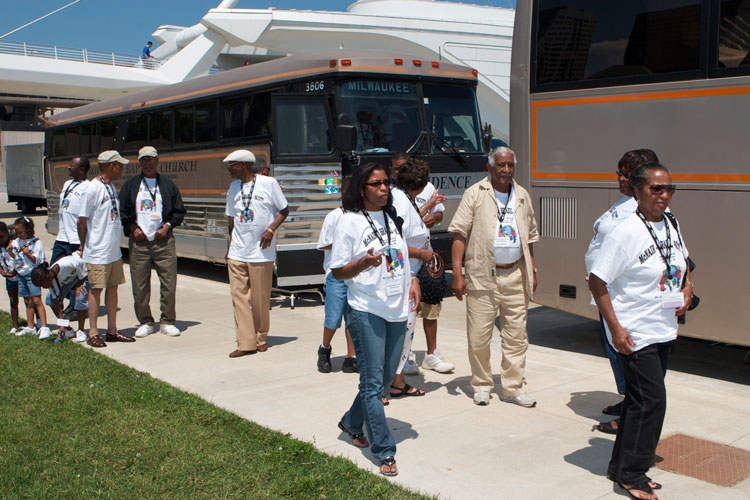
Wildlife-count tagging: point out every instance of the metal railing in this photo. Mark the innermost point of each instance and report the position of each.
(79, 55)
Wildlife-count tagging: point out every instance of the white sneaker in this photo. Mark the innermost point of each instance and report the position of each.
(411, 368)
(80, 337)
(482, 398)
(521, 400)
(27, 330)
(144, 330)
(44, 333)
(169, 330)
(437, 362)
(13, 331)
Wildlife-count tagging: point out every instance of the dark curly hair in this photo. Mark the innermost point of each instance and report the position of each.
(413, 175)
(634, 159)
(639, 178)
(39, 273)
(27, 224)
(353, 195)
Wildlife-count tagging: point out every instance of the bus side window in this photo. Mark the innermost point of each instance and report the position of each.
(301, 126)
(136, 132)
(734, 44)
(160, 129)
(106, 135)
(184, 123)
(205, 121)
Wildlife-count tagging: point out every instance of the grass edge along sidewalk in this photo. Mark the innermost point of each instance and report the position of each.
(76, 424)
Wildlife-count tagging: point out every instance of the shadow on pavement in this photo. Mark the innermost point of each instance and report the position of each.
(590, 404)
(559, 330)
(594, 458)
(275, 340)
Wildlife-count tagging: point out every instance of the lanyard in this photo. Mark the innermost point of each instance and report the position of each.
(375, 229)
(247, 199)
(112, 197)
(29, 243)
(501, 213)
(156, 189)
(414, 204)
(59, 287)
(71, 187)
(666, 252)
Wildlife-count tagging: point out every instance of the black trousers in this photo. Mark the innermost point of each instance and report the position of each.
(642, 414)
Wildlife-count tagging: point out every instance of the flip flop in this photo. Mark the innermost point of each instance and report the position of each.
(405, 391)
(643, 486)
(607, 427)
(356, 438)
(613, 409)
(388, 467)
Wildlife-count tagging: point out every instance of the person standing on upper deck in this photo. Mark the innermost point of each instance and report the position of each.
(100, 231)
(151, 208)
(494, 227)
(71, 196)
(255, 208)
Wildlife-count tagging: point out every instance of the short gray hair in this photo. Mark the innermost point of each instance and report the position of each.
(498, 150)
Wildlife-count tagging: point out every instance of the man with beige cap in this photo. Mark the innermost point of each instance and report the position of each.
(256, 208)
(151, 208)
(100, 230)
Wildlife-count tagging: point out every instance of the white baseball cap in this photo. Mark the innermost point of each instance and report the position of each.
(111, 156)
(240, 155)
(147, 151)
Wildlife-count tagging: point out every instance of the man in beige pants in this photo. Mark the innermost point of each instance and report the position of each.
(255, 208)
(494, 227)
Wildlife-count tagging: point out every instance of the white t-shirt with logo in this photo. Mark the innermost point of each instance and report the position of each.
(8, 263)
(636, 276)
(251, 221)
(72, 270)
(23, 263)
(604, 225)
(382, 290)
(148, 207)
(327, 230)
(507, 237)
(70, 203)
(104, 226)
(416, 233)
(423, 197)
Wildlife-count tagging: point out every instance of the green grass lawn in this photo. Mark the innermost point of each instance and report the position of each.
(75, 424)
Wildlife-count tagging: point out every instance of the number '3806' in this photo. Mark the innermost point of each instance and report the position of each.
(314, 86)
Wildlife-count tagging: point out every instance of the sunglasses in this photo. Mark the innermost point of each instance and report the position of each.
(376, 184)
(657, 189)
(620, 173)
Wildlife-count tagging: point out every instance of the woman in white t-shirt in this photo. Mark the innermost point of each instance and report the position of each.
(636, 282)
(370, 254)
(604, 225)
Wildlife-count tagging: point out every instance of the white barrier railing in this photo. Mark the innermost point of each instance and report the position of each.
(79, 55)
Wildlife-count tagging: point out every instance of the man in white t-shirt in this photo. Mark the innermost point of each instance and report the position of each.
(100, 230)
(255, 208)
(151, 208)
(494, 226)
(71, 195)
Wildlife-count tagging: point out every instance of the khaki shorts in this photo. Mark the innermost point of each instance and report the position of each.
(106, 275)
(428, 311)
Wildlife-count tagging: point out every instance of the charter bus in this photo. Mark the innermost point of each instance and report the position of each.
(591, 79)
(311, 118)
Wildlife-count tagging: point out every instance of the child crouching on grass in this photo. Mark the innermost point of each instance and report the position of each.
(68, 273)
(28, 252)
(8, 270)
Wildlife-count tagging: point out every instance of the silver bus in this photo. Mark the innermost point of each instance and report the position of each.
(311, 118)
(591, 79)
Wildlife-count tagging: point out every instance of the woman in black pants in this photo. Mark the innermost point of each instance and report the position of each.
(636, 282)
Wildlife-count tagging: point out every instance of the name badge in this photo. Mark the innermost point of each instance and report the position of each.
(394, 286)
(672, 300)
(63, 322)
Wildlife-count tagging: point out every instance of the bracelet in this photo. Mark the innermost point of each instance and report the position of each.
(270, 230)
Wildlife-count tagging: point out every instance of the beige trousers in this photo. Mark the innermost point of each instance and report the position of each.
(250, 286)
(482, 307)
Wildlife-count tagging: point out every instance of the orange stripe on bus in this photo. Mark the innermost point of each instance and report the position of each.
(646, 96)
(87, 115)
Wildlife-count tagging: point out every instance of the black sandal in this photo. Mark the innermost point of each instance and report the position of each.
(389, 462)
(654, 485)
(607, 427)
(643, 486)
(404, 391)
(355, 437)
(614, 410)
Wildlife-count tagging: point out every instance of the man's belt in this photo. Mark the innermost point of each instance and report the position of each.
(505, 266)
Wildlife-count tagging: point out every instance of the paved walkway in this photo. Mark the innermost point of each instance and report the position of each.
(447, 446)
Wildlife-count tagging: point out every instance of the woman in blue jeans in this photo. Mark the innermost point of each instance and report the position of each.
(370, 254)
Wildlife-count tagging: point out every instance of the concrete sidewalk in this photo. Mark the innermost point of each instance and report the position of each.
(447, 446)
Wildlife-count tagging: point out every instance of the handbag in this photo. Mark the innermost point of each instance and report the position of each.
(694, 300)
(431, 279)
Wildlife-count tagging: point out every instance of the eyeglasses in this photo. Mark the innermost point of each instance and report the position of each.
(657, 189)
(620, 173)
(501, 164)
(376, 184)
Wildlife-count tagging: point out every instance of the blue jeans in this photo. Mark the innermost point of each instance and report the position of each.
(335, 302)
(614, 361)
(62, 249)
(378, 345)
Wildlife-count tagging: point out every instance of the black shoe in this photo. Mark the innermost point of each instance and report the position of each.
(350, 365)
(324, 359)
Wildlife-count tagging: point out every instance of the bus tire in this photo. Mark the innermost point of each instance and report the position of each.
(28, 206)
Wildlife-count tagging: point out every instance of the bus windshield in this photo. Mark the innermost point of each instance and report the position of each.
(452, 118)
(386, 114)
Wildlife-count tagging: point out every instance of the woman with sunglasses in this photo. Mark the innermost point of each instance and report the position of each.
(370, 254)
(636, 282)
(603, 226)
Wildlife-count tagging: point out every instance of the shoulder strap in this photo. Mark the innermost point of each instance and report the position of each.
(673, 220)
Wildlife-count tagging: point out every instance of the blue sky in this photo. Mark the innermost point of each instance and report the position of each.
(123, 26)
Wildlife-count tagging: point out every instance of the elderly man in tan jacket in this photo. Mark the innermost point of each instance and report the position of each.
(494, 227)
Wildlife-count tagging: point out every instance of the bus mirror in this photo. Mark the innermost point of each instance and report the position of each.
(346, 137)
(487, 138)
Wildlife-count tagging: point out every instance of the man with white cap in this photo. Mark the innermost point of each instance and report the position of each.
(100, 230)
(256, 208)
(151, 208)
